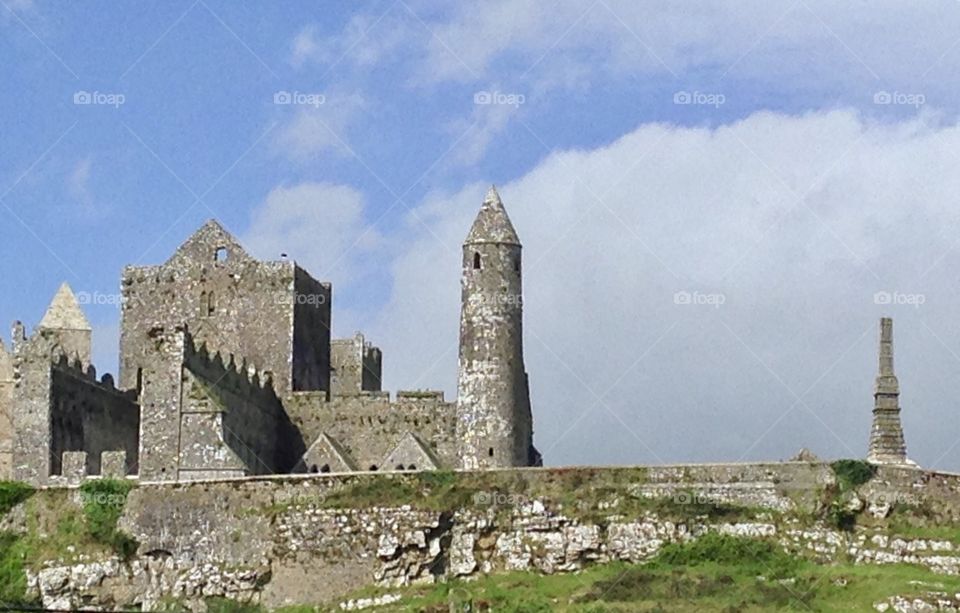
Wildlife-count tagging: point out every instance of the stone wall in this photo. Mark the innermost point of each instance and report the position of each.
(369, 425)
(232, 422)
(311, 332)
(6, 418)
(209, 417)
(233, 303)
(91, 416)
(317, 539)
(356, 366)
(58, 406)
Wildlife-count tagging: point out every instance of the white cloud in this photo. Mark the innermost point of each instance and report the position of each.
(364, 41)
(795, 221)
(475, 135)
(814, 46)
(78, 182)
(319, 128)
(305, 46)
(320, 225)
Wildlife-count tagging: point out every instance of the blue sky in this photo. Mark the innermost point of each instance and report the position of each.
(794, 158)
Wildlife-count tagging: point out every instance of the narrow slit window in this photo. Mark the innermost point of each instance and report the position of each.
(476, 261)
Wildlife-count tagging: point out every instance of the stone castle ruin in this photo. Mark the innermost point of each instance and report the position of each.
(228, 369)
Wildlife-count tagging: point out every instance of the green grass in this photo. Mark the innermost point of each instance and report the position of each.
(103, 502)
(716, 573)
(759, 556)
(13, 580)
(13, 493)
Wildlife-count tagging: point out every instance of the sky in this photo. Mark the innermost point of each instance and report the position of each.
(717, 200)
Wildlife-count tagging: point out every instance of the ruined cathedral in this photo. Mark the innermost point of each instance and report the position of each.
(228, 369)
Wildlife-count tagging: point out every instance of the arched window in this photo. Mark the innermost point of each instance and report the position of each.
(373, 467)
(476, 261)
(412, 467)
(314, 469)
(220, 255)
(400, 467)
(325, 468)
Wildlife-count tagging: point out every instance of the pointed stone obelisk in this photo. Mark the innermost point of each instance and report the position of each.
(886, 437)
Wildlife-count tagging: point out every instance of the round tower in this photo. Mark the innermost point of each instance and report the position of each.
(494, 424)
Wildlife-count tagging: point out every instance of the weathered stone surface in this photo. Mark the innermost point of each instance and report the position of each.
(225, 372)
(276, 542)
(494, 423)
(886, 436)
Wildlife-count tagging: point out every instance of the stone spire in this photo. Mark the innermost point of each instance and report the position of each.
(886, 437)
(66, 327)
(64, 312)
(492, 224)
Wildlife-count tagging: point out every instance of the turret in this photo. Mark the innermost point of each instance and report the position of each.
(886, 436)
(494, 424)
(66, 326)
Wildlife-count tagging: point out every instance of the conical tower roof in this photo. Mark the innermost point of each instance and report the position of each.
(64, 312)
(492, 224)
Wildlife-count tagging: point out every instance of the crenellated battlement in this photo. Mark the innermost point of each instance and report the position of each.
(87, 373)
(227, 369)
(240, 375)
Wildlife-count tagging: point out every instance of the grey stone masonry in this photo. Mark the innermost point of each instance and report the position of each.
(227, 370)
(886, 437)
(113, 464)
(66, 321)
(494, 424)
(6, 416)
(273, 314)
(355, 366)
(74, 466)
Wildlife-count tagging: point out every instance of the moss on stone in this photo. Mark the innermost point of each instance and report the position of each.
(851, 474)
